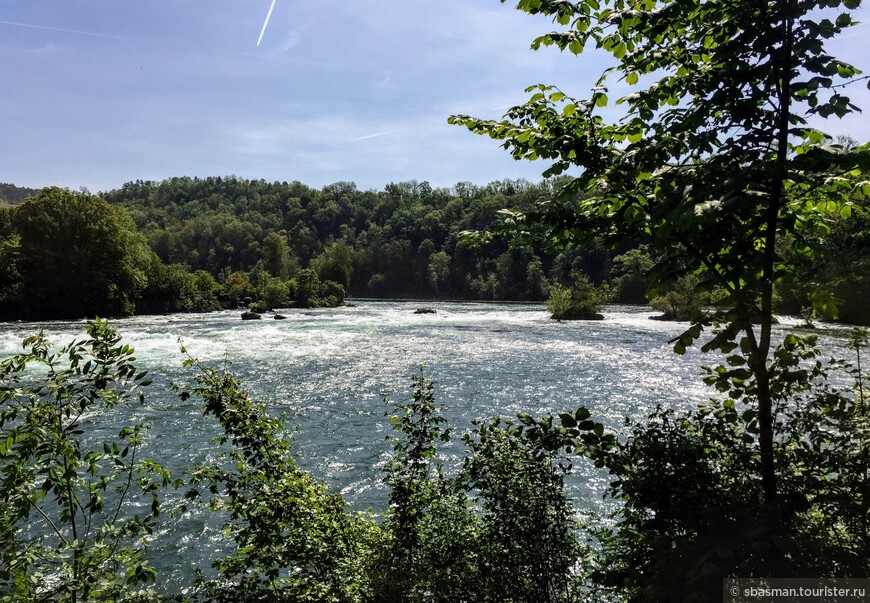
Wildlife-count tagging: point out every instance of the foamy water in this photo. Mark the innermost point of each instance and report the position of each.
(330, 369)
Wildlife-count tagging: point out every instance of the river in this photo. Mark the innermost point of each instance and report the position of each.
(330, 369)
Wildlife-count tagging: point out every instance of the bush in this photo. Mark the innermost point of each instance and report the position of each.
(581, 301)
(72, 526)
(274, 293)
(694, 511)
(683, 301)
(528, 534)
(631, 278)
(295, 540)
(501, 529)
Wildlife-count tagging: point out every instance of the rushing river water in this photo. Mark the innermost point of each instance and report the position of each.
(330, 370)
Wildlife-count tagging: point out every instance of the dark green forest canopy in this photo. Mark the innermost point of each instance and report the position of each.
(404, 241)
(74, 255)
(215, 241)
(11, 194)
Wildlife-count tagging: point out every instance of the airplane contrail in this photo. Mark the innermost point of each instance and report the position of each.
(63, 30)
(265, 23)
(377, 134)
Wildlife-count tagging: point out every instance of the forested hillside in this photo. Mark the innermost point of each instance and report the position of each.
(405, 241)
(11, 194)
(190, 244)
(409, 240)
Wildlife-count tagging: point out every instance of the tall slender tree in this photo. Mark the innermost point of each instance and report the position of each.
(712, 159)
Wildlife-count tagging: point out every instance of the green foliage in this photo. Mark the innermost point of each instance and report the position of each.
(839, 265)
(12, 194)
(75, 522)
(237, 288)
(10, 278)
(710, 164)
(312, 293)
(335, 264)
(307, 288)
(631, 279)
(409, 240)
(501, 529)
(438, 272)
(694, 510)
(78, 256)
(277, 257)
(294, 540)
(275, 293)
(683, 300)
(173, 288)
(528, 544)
(427, 552)
(331, 294)
(372, 243)
(581, 301)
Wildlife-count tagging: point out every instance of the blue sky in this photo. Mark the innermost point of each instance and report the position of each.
(96, 93)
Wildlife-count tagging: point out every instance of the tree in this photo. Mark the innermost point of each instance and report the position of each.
(10, 279)
(335, 264)
(295, 540)
(307, 289)
(171, 288)
(237, 288)
(528, 541)
(709, 164)
(274, 293)
(278, 260)
(682, 300)
(78, 256)
(75, 521)
(630, 278)
(580, 301)
(439, 272)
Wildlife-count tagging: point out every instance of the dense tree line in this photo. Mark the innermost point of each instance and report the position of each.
(190, 244)
(11, 194)
(69, 255)
(411, 240)
(405, 241)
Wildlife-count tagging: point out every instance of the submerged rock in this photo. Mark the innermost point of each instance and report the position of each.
(249, 315)
(424, 311)
(280, 317)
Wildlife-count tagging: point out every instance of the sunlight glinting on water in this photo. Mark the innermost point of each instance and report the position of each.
(330, 370)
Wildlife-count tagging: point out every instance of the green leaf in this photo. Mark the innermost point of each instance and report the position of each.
(8, 443)
(846, 212)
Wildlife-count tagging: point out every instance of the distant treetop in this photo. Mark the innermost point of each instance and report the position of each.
(12, 194)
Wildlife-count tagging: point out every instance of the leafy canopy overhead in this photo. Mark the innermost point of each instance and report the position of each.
(711, 162)
(712, 155)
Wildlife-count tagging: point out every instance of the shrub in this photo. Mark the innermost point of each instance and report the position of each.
(295, 541)
(581, 301)
(684, 300)
(71, 525)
